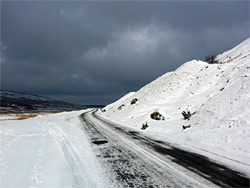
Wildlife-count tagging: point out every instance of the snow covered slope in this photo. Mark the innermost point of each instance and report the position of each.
(18, 102)
(217, 94)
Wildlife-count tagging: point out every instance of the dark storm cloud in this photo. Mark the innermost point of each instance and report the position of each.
(94, 52)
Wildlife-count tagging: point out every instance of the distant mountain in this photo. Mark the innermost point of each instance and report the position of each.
(18, 102)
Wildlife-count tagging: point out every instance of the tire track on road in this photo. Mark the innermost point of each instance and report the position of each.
(73, 159)
(126, 165)
(191, 164)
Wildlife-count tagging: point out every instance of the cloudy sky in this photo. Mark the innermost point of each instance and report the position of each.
(95, 52)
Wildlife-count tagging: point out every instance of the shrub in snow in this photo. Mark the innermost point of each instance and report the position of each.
(157, 116)
(187, 115)
(186, 126)
(211, 59)
(144, 126)
(120, 107)
(134, 101)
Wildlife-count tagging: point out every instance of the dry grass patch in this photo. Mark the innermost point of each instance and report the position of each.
(17, 116)
(25, 116)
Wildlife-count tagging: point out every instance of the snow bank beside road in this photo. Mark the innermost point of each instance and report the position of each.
(218, 94)
(47, 151)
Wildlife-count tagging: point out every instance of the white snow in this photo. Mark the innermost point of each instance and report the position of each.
(47, 151)
(52, 150)
(219, 93)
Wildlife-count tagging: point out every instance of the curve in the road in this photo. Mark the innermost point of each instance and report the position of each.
(132, 170)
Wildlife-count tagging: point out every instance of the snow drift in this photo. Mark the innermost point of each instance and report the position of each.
(216, 95)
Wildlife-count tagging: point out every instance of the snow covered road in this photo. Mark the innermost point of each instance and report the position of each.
(129, 159)
(47, 151)
(80, 149)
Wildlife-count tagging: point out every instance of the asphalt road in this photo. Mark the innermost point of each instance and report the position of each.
(129, 159)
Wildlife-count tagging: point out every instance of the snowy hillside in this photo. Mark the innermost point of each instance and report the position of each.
(17, 102)
(218, 96)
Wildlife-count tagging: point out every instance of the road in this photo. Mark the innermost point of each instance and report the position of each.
(130, 159)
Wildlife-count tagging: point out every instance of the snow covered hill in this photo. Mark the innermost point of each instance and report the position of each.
(216, 95)
(17, 102)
